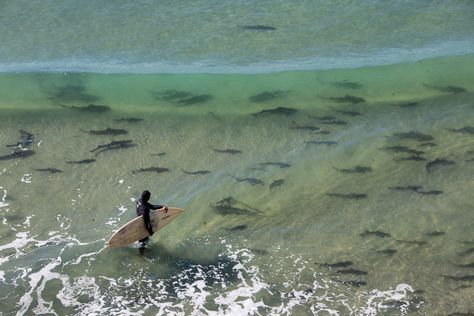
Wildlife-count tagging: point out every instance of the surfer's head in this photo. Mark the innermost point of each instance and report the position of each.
(146, 195)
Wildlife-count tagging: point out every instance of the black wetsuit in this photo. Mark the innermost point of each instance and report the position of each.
(143, 208)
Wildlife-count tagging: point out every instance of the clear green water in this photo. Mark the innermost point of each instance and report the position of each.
(53, 259)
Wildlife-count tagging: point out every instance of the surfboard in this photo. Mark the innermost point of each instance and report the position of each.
(135, 229)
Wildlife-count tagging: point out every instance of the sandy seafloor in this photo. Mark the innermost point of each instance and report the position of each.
(265, 252)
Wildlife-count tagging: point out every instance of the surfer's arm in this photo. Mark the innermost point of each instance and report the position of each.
(156, 207)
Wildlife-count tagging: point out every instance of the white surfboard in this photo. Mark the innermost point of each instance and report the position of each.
(135, 229)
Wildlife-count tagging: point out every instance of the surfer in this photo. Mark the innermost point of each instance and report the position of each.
(143, 208)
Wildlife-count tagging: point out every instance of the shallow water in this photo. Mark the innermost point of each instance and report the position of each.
(267, 257)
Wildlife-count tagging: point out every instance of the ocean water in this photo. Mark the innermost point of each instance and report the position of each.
(336, 147)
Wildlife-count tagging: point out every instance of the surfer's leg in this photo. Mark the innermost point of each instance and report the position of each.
(148, 226)
(142, 245)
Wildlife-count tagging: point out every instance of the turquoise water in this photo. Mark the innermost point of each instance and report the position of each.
(360, 153)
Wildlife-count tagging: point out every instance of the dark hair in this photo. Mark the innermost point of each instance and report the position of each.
(146, 195)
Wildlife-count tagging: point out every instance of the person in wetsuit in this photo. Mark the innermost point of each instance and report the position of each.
(143, 208)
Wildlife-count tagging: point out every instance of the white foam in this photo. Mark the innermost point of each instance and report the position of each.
(111, 222)
(37, 282)
(122, 209)
(240, 296)
(27, 222)
(21, 241)
(38, 279)
(70, 292)
(62, 220)
(26, 178)
(377, 299)
(2, 200)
